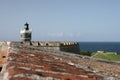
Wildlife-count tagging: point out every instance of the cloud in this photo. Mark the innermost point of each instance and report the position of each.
(64, 34)
(69, 34)
(78, 35)
(58, 34)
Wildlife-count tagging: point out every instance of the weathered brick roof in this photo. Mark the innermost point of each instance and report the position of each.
(24, 64)
(37, 63)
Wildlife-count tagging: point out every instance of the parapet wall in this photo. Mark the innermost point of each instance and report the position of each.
(3, 52)
(72, 47)
(4, 48)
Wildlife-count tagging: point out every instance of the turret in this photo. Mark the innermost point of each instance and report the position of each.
(26, 26)
(26, 33)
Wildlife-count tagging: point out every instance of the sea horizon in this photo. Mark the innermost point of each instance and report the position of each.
(100, 46)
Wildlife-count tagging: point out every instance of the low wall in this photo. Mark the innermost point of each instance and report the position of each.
(3, 52)
(72, 47)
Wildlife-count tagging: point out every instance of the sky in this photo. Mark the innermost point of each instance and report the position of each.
(61, 20)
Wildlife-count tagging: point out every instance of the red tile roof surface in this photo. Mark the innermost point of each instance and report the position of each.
(24, 64)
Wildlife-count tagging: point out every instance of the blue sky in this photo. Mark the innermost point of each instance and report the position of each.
(61, 20)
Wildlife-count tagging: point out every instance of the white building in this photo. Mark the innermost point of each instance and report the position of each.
(26, 34)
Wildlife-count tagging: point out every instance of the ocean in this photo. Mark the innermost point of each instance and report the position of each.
(100, 46)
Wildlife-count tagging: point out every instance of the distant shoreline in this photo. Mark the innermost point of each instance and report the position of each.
(100, 46)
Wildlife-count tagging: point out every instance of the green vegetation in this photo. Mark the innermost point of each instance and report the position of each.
(112, 56)
(87, 53)
(107, 55)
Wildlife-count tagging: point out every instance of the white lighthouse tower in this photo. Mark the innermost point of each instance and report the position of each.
(26, 34)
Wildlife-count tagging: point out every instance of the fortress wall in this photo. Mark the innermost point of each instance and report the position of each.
(4, 48)
(72, 47)
(61, 46)
(3, 52)
(55, 44)
(45, 45)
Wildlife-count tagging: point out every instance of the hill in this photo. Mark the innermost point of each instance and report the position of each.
(112, 56)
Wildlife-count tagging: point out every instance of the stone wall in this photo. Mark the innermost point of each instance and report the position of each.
(3, 52)
(72, 47)
(4, 47)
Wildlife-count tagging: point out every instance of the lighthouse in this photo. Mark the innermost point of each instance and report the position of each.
(26, 33)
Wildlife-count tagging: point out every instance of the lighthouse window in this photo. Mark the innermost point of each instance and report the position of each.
(21, 35)
(47, 44)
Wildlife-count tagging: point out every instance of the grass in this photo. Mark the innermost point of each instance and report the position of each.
(108, 56)
(87, 53)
